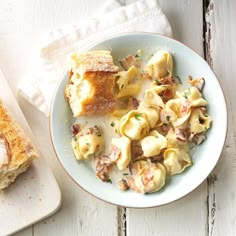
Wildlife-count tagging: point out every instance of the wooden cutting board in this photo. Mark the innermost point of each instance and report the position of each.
(35, 195)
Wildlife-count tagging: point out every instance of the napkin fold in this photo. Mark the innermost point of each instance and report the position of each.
(142, 16)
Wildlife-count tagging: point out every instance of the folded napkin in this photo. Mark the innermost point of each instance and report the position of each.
(38, 87)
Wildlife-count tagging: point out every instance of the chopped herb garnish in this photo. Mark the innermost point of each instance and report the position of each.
(168, 118)
(122, 86)
(109, 181)
(138, 116)
(178, 78)
(125, 173)
(99, 135)
(136, 55)
(187, 93)
(157, 81)
(112, 124)
(117, 77)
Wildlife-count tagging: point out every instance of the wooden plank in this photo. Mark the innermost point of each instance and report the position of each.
(26, 232)
(188, 216)
(220, 42)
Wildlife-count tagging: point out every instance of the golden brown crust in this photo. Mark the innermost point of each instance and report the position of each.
(97, 61)
(20, 147)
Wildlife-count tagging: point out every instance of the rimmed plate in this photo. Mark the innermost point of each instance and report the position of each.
(187, 62)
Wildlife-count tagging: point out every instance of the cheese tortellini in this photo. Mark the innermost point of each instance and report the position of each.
(153, 144)
(147, 177)
(194, 96)
(88, 143)
(152, 99)
(179, 111)
(125, 82)
(160, 65)
(176, 160)
(134, 125)
(199, 122)
(123, 153)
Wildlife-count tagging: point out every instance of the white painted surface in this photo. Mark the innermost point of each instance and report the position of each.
(209, 210)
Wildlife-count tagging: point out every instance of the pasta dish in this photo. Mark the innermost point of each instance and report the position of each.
(136, 122)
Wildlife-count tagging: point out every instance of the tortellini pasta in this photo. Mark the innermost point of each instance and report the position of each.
(178, 110)
(176, 160)
(152, 99)
(195, 97)
(147, 177)
(152, 115)
(129, 90)
(161, 88)
(88, 143)
(153, 144)
(124, 152)
(124, 82)
(199, 122)
(124, 77)
(172, 141)
(160, 65)
(134, 125)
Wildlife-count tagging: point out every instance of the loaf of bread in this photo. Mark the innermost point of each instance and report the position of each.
(16, 149)
(90, 90)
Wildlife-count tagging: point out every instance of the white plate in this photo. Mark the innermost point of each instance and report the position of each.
(187, 62)
(35, 194)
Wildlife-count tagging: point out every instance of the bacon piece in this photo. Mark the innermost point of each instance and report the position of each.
(186, 106)
(115, 153)
(93, 130)
(103, 167)
(75, 129)
(132, 103)
(129, 61)
(198, 83)
(181, 134)
(70, 74)
(145, 75)
(136, 150)
(166, 95)
(167, 80)
(197, 138)
(157, 158)
(123, 185)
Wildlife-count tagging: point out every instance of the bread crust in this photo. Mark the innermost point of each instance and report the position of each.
(20, 148)
(94, 61)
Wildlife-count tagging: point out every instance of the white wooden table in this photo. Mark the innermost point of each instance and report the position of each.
(209, 28)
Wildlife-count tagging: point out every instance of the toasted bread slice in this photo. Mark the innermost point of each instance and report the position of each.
(16, 149)
(90, 90)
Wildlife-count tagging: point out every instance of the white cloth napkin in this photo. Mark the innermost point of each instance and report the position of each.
(38, 87)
